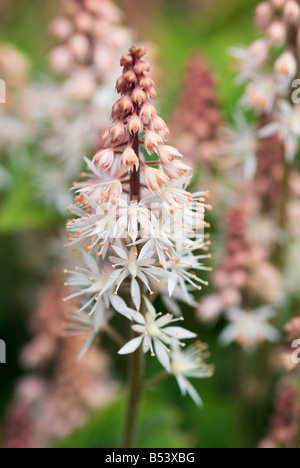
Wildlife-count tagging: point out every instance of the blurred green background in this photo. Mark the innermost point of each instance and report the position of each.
(167, 419)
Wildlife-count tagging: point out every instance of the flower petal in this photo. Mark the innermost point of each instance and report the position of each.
(131, 346)
(162, 355)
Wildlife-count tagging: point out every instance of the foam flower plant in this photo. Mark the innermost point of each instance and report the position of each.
(141, 233)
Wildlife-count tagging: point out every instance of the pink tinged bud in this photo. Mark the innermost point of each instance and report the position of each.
(151, 93)
(117, 132)
(142, 67)
(159, 126)
(292, 11)
(61, 59)
(105, 158)
(138, 96)
(84, 22)
(168, 154)
(126, 60)
(106, 138)
(141, 52)
(286, 65)
(80, 46)
(277, 32)
(129, 158)
(121, 85)
(152, 141)
(146, 83)
(126, 105)
(155, 178)
(130, 77)
(147, 112)
(176, 169)
(61, 28)
(264, 15)
(135, 125)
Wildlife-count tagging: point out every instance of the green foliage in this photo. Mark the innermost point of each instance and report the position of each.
(159, 427)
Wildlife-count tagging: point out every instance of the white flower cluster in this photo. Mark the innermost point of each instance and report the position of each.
(269, 69)
(140, 230)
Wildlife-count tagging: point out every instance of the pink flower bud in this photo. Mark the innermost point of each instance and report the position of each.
(121, 85)
(138, 96)
(147, 112)
(84, 22)
(263, 15)
(159, 126)
(286, 65)
(152, 141)
(168, 154)
(176, 169)
(141, 52)
(141, 67)
(135, 125)
(105, 158)
(155, 178)
(277, 32)
(151, 93)
(130, 77)
(61, 59)
(61, 28)
(146, 83)
(125, 105)
(117, 132)
(129, 159)
(126, 60)
(80, 46)
(292, 11)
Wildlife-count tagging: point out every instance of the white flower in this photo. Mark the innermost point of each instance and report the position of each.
(249, 60)
(180, 272)
(287, 125)
(261, 93)
(249, 329)
(91, 321)
(155, 334)
(137, 266)
(286, 67)
(190, 363)
(242, 143)
(90, 282)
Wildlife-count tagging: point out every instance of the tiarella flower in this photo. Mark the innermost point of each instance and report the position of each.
(249, 60)
(286, 67)
(129, 159)
(137, 266)
(249, 329)
(90, 281)
(288, 126)
(241, 142)
(105, 158)
(143, 230)
(180, 271)
(155, 178)
(190, 363)
(261, 93)
(155, 334)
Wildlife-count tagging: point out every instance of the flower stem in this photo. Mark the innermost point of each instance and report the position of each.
(136, 359)
(135, 393)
